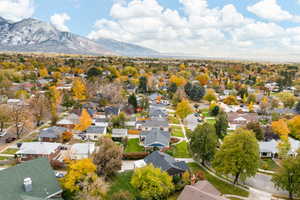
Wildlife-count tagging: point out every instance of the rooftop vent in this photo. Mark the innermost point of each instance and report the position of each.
(27, 184)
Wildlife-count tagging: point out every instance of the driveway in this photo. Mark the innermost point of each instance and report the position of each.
(263, 182)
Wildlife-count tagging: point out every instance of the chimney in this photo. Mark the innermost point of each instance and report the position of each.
(28, 184)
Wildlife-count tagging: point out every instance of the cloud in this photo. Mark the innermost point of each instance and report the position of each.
(59, 20)
(271, 10)
(16, 10)
(201, 30)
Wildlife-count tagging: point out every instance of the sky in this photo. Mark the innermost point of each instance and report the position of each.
(264, 29)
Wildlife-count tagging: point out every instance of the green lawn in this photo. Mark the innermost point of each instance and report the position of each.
(181, 150)
(133, 146)
(5, 158)
(177, 131)
(268, 164)
(173, 120)
(121, 183)
(211, 121)
(10, 151)
(223, 187)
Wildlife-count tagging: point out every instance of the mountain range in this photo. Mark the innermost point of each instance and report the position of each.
(32, 35)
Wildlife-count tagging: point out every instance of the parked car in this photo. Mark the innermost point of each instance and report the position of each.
(10, 139)
(3, 133)
(59, 175)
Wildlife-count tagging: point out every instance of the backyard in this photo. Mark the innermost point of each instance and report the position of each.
(181, 150)
(177, 131)
(268, 164)
(9, 151)
(133, 146)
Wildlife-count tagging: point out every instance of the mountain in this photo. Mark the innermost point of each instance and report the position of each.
(31, 35)
(126, 49)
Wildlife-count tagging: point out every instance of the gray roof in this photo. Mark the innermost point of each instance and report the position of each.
(165, 162)
(95, 130)
(43, 179)
(119, 132)
(156, 137)
(157, 113)
(38, 148)
(156, 123)
(52, 132)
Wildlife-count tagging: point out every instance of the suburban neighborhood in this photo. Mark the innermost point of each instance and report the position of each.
(132, 128)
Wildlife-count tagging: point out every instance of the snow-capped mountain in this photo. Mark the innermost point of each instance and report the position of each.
(31, 35)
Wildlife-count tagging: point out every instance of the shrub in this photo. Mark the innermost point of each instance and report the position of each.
(135, 155)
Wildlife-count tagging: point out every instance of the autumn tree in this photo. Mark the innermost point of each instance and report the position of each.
(4, 116)
(203, 142)
(43, 72)
(76, 174)
(281, 128)
(183, 109)
(294, 126)
(119, 121)
(287, 98)
(221, 124)
(288, 176)
(203, 79)
(133, 101)
(179, 81)
(19, 117)
(108, 157)
(152, 183)
(210, 95)
(54, 98)
(143, 82)
(238, 155)
(231, 100)
(85, 121)
(79, 90)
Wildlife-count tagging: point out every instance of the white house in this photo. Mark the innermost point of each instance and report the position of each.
(82, 150)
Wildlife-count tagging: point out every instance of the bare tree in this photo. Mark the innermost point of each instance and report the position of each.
(19, 116)
(113, 92)
(4, 116)
(39, 108)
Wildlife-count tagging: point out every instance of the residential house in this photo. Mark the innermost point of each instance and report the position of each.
(94, 132)
(69, 121)
(51, 134)
(118, 133)
(192, 121)
(103, 122)
(82, 150)
(155, 138)
(157, 113)
(160, 123)
(31, 180)
(268, 149)
(202, 190)
(131, 122)
(165, 162)
(237, 120)
(112, 111)
(32, 150)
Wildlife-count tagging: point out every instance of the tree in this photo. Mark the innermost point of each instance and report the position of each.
(188, 88)
(143, 84)
(92, 188)
(179, 81)
(152, 183)
(298, 107)
(54, 98)
(119, 121)
(294, 126)
(281, 128)
(283, 147)
(238, 155)
(4, 116)
(255, 127)
(43, 72)
(221, 124)
(203, 142)
(92, 72)
(231, 100)
(39, 108)
(122, 195)
(197, 92)
(172, 88)
(203, 79)
(85, 121)
(68, 101)
(76, 173)
(288, 176)
(108, 158)
(210, 95)
(67, 136)
(287, 98)
(19, 116)
(79, 90)
(133, 101)
(183, 109)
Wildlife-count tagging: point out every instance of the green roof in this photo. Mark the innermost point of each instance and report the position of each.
(44, 182)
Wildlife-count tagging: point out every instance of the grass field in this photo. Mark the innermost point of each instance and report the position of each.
(177, 131)
(268, 164)
(173, 120)
(10, 151)
(181, 150)
(223, 187)
(133, 146)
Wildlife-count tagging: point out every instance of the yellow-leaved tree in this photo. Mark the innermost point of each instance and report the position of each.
(179, 81)
(54, 101)
(43, 72)
(76, 174)
(203, 79)
(79, 90)
(183, 109)
(85, 121)
(281, 128)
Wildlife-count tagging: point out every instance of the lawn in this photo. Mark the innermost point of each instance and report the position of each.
(173, 120)
(134, 146)
(121, 182)
(223, 187)
(177, 131)
(268, 164)
(5, 158)
(181, 150)
(10, 151)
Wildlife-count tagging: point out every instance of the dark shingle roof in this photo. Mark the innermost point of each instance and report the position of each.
(157, 113)
(165, 162)
(156, 137)
(52, 132)
(156, 123)
(95, 130)
(43, 179)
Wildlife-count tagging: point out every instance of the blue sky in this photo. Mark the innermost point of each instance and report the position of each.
(223, 28)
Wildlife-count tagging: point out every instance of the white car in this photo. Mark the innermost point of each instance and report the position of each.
(3, 133)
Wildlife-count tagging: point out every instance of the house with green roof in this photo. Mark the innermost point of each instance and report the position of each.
(31, 180)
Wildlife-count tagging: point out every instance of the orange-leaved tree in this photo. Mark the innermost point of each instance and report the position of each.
(85, 121)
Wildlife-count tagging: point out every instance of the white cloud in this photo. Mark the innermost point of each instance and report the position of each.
(201, 31)
(16, 10)
(271, 10)
(59, 20)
